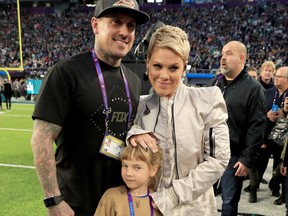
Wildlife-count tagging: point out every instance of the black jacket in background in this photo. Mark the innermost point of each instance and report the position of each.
(285, 161)
(245, 101)
(265, 85)
(270, 94)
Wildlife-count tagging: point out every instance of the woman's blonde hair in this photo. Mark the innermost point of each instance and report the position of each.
(152, 159)
(170, 37)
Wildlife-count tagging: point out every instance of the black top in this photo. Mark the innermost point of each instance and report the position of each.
(266, 85)
(8, 92)
(245, 103)
(285, 162)
(270, 95)
(71, 97)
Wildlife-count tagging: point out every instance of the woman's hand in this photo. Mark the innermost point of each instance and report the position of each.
(147, 141)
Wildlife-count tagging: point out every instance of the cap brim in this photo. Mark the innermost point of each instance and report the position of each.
(140, 17)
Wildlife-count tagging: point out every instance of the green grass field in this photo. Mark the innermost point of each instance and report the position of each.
(20, 191)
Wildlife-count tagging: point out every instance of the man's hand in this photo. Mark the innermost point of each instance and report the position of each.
(242, 169)
(283, 170)
(263, 146)
(145, 140)
(62, 209)
(286, 104)
(272, 116)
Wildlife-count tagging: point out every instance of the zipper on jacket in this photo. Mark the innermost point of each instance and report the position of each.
(159, 108)
(175, 145)
(173, 136)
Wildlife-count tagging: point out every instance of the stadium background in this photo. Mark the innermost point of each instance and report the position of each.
(55, 29)
(52, 30)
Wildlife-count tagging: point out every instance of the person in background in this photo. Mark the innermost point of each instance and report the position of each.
(253, 174)
(188, 123)
(85, 101)
(257, 172)
(245, 102)
(23, 88)
(252, 71)
(140, 172)
(8, 93)
(284, 165)
(275, 98)
(266, 75)
(1, 90)
(218, 71)
(16, 88)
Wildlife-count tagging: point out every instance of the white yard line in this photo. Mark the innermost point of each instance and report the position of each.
(17, 166)
(15, 129)
(25, 116)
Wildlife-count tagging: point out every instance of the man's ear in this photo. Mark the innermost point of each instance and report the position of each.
(94, 24)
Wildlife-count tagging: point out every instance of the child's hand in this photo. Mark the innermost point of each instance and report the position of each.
(154, 206)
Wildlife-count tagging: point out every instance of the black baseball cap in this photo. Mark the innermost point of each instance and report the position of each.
(129, 7)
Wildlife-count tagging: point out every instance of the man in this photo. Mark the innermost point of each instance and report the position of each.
(16, 88)
(266, 76)
(83, 102)
(244, 98)
(257, 172)
(275, 98)
(284, 155)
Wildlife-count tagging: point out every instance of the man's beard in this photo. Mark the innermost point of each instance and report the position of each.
(224, 71)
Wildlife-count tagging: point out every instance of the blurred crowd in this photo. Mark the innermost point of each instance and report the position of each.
(47, 38)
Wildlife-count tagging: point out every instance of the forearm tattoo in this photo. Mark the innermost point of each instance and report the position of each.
(44, 134)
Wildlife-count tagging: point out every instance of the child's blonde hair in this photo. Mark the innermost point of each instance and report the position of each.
(148, 157)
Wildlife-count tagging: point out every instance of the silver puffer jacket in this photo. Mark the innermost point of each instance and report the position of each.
(201, 142)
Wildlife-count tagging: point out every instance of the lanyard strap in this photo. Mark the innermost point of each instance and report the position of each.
(217, 82)
(131, 203)
(218, 79)
(104, 94)
(283, 99)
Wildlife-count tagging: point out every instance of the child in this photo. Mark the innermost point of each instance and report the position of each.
(140, 172)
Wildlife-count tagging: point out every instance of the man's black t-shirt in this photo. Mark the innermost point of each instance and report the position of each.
(71, 97)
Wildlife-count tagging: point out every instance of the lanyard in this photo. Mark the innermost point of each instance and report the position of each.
(283, 99)
(131, 203)
(104, 94)
(217, 81)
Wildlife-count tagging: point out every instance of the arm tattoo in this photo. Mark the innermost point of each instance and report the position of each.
(44, 134)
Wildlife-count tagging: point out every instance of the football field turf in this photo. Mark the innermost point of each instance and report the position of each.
(20, 191)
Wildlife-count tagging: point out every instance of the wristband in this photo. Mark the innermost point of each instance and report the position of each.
(52, 201)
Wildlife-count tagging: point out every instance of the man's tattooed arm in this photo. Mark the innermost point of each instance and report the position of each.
(44, 134)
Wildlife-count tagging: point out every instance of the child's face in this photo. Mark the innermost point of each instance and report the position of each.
(136, 174)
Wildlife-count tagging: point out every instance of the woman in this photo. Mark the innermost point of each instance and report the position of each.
(188, 123)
